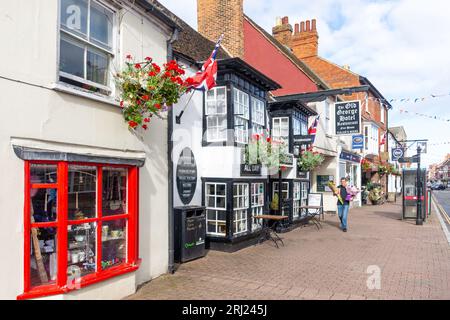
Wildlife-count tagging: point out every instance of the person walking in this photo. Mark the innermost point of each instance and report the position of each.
(343, 206)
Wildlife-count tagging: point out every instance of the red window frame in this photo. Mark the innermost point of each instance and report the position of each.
(61, 224)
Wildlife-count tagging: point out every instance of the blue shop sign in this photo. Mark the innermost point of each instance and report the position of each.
(350, 157)
(358, 142)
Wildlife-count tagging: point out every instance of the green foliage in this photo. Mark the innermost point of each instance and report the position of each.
(310, 161)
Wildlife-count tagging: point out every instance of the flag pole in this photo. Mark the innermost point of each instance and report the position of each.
(178, 117)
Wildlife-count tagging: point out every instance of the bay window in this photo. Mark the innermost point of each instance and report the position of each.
(216, 115)
(241, 115)
(80, 224)
(258, 119)
(280, 129)
(240, 207)
(86, 45)
(216, 206)
(257, 209)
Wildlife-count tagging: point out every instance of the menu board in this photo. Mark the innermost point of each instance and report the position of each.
(315, 200)
(186, 176)
(322, 183)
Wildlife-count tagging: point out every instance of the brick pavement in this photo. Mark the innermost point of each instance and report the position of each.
(326, 264)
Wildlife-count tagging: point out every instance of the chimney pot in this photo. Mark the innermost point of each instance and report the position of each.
(314, 27)
(302, 26)
(297, 28)
(285, 20)
(308, 25)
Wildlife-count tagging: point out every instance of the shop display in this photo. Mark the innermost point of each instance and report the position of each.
(81, 251)
(113, 243)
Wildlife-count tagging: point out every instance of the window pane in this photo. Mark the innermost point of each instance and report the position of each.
(74, 16)
(43, 261)
(97, 67)
(114, 249)
(43, 205)
(221, 203)
(82, 192)
(221, 189)
(220, 93)
(101, 25)
(43, 173)
(71, 59)
(81, 258)
(114, 191)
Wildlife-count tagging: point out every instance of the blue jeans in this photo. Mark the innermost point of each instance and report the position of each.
(343, 214)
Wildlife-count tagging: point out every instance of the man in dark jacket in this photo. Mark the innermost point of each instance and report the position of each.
(343, 207)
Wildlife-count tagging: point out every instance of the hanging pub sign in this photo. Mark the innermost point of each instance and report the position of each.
(250, 169)
(397, 153)
(186, 176)
(348, 117)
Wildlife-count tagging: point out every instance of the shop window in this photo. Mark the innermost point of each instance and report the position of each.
(86, 44)
(241, 116)
(240, 207)
(71, 235)
(297, 200)
(216, 115)
(257, 190)
(280, 129)
(258, 116)
(215, 199)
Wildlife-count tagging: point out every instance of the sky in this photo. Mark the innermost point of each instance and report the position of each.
(401, 46)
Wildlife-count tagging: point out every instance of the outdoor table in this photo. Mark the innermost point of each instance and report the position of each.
(317, 210)
(269, 233)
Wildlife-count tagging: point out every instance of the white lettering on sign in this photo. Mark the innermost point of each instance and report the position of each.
(74, 19)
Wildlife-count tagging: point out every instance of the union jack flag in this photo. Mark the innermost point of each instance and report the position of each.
(383, 140)
(313, 129)
(205, 79)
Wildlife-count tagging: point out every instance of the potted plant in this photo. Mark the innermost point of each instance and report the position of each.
(309, 161)
(147, 90)
(366, 165)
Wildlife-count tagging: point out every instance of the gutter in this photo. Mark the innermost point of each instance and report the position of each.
(171, 266)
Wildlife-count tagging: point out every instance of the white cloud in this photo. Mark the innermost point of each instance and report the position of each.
(402, 46)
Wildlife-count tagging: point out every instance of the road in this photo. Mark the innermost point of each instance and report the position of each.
(443, 197)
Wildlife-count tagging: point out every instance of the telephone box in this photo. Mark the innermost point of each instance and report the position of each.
(410, 193)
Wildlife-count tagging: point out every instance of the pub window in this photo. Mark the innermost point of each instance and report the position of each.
(257, 190)
(297, 200)
(366, 138)
(79, 226)
(240, 207)
(280, 129)
(258, 119)
(86, 44)
(304, 194)
(216, 208)
(216, 114)
(241, 116)
(297, 126)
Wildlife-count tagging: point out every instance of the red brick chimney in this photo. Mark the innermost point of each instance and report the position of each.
(283, 31)
(305, 40)
(223, 16)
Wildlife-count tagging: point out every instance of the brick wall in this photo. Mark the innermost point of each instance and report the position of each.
(216, 17)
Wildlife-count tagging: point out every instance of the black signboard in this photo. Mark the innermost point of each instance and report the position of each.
(348, 117)
(413, 159)
(322, 183)
(186, 176)
(300, 140)
(250, 169)
(302, 175)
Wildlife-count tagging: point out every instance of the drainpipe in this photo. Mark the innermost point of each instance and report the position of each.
(171, 267)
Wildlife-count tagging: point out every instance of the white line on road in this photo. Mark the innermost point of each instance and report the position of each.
(444, 227)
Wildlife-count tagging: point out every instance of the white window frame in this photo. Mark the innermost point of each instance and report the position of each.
(278, 128)
(215, 209)
(257, 204)
(241, 115)
(371, 139)
(218, 132)
(303, 194)
(240, 212)
(75, 39)
(296, 196)
(258, 116)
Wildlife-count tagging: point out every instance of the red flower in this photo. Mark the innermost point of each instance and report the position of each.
(147, 120)
(129, 57)
(137, 66)
(156, 67)
(283, 168)
(269, 140)
(145, 98)
(157, 106)
(132, 124)
(189, 81)
(173, 79)
(121, 104)
(138, 102)
(145, 127)
(167, 74)
(152, 73)
(148, 59)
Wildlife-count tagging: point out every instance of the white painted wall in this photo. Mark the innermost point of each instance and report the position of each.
(34, 110)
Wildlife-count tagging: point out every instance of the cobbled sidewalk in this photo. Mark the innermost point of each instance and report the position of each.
(326, 264)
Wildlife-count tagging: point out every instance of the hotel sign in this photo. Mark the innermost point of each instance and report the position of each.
(348, 117)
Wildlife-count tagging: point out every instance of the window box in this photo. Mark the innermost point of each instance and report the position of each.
(80, 225)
